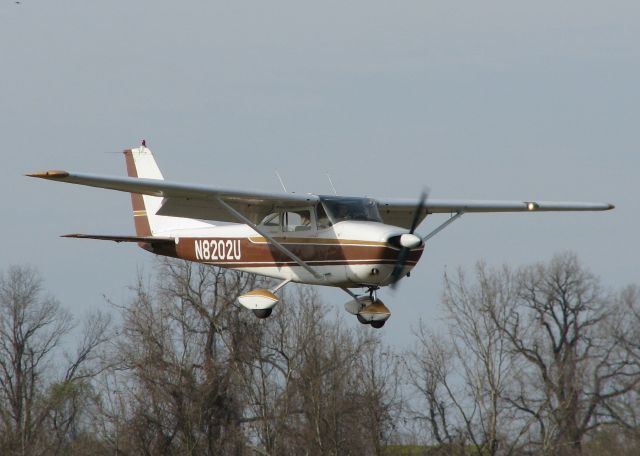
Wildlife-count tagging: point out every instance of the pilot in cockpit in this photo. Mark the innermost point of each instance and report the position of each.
(305, 220)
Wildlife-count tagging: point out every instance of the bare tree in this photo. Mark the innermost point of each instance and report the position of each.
(429, 372)
(462, 376)
(537, 360)
(327, 391)
(269, 374)
(315, 386)
(623, 325)
(377, 377)
(199, 374)
(176, 372)
(41, 397)
(573, 367)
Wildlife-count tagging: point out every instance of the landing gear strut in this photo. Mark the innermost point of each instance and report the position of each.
(372, 293)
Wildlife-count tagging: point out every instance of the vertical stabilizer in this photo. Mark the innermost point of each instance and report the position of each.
(141, 163)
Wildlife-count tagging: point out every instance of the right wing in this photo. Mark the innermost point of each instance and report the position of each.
(400, 212)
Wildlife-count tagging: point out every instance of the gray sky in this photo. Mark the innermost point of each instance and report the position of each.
(495, 100)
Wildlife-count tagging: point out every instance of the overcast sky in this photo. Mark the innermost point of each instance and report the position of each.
(493, 99)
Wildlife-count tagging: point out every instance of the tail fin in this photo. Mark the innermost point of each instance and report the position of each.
(140, 163)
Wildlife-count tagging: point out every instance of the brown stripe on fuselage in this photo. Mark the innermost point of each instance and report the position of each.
(241, 252)
(140, 219)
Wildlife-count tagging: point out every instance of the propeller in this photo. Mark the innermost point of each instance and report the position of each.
(408, 241)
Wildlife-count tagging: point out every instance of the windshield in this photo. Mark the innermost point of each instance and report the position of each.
(339, 209)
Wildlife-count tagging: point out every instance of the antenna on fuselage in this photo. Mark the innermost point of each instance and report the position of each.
(331, 183)
(281, 182)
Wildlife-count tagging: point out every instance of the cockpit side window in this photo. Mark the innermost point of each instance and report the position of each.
(298, 220)
(272, 222)
(290, 220)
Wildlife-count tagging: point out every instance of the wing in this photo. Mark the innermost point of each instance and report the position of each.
(202, 202)
(190, 200)
(401, 212)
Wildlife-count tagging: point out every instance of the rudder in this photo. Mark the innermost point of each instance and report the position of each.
(141, 164)
(140, 218)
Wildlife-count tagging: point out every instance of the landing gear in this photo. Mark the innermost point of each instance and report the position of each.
(262, 313)
(369, 310)
(260, 301)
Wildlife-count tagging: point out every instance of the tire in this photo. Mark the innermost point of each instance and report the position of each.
(378, 324)
(361, 320)
(262, 313)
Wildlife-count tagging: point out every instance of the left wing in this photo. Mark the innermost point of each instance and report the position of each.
(401, 212)
(190, 200)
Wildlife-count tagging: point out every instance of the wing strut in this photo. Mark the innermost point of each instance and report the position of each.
(266, 235)
(442, 226)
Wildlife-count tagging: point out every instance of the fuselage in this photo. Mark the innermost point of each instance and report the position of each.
(347, 254)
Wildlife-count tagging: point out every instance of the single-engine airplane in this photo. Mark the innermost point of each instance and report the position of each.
(345, 242)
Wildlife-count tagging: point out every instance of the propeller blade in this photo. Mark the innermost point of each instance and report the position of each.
(418, 211)
(403, 254)
(396, 274)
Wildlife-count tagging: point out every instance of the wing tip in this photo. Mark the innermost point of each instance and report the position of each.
(50, 174)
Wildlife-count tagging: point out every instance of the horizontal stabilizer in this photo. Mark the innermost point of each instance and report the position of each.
(144, 239)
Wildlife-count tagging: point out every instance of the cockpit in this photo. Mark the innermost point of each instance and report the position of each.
(329, 211)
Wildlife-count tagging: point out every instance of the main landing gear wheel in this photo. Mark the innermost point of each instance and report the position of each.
(361, 320)
(377, 324)
(262, 313)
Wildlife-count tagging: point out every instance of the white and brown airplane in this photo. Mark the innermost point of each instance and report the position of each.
(345, 242)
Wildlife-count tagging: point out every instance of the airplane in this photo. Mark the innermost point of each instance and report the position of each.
(339, 241)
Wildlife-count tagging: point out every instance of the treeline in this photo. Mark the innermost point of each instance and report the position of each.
(536, 360)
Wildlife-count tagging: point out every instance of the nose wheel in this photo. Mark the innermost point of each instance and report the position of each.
(369, 310)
